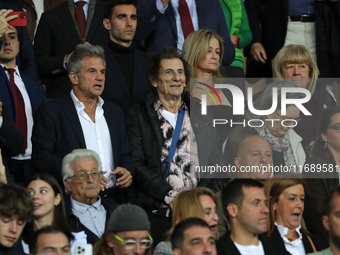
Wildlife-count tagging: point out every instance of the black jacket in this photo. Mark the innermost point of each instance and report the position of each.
(319, 242)
(317, 190)
(226, 246)
(146, 142)
(76, 226)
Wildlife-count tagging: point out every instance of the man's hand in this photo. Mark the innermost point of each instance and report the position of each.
(4, 21)
(104, 182)
(233, 39)
(124, 177)
(3, 177)
(258, 53)
(165, 3)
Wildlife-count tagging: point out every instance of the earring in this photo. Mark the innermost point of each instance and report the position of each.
(325, 145)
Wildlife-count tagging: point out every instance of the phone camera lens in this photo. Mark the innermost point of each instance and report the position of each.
(22, 15)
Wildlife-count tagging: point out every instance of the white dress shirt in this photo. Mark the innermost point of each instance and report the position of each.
(97, 135)
(193, 14)
(28, 110)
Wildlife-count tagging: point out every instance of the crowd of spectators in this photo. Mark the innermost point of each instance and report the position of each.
(106, 127)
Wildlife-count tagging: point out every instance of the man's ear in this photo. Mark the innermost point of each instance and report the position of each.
(74, 78)
(325, 222)
(67, 185)
(232, 210)
(107, 24)
(177, 251)
(237, 162)
(324, 137)
(154, 84)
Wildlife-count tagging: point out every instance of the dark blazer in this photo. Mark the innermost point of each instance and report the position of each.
(35, 92)
(116, 90)
(317, 190)
(319, 242)
(76, 226)
(57, 131)
(57, 35)
(226, 246)
(11, 141)
(268, 28)
(272, 34)
(156, 30)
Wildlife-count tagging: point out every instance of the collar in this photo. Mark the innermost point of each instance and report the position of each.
(158, 106)
(80, 105)
(16, 69)
(121, 49)
(87, 1)
(284, 231)
(83, 208)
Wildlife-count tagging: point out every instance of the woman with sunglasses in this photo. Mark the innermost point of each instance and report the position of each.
(321, 170)
(127, 233)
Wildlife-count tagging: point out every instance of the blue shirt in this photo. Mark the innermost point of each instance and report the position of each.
(299, 7)
(91, 216)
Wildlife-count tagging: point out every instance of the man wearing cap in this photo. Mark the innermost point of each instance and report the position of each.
(127, 232)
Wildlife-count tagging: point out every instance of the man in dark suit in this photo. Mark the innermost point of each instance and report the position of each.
(125, 79)
(83, 120)
(21, 97)
(57, 36)
(159, 24)
(275, 24)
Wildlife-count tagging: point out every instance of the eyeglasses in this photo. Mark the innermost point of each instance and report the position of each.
(335, 126)
(130, 244)
(291, 67)
(287, 120)
(85, 176)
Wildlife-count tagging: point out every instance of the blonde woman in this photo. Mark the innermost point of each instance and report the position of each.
(198, 202)
(295, 62)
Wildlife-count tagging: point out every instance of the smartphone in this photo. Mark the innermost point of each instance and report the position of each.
(20, 21)
(84, 249)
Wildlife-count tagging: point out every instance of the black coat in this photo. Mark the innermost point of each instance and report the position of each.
(75, 225)
(226, 246)
(319, 242)
(146, 142)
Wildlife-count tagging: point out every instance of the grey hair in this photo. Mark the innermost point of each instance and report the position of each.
(264, 99)
(68, 160)
(82, 51)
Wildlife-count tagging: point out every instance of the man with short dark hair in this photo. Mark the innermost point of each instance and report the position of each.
(125, 80)
(16, 208)
(52, 239)
(245, 205)
(21, 96)
(193, 236)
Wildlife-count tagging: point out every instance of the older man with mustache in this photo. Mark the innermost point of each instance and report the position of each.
(87, 212)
